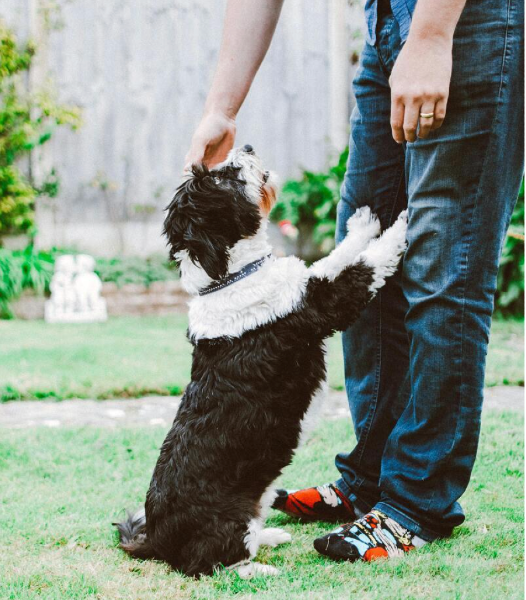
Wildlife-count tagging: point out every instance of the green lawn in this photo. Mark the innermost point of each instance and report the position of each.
(133, 356)
(61, 489)
(127, 356)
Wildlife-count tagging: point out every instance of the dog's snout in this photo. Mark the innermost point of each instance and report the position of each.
(248, 149)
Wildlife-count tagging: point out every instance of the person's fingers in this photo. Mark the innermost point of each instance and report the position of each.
(440, 113)
(216, 156)
(188, 162)
(397, 118)
(195, 155)
(425, 123)
(411, 117)
(212, 141)
(219, 153)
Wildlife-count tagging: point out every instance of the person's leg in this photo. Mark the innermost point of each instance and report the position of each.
(463, 182)
(376, 347)
(462, 185)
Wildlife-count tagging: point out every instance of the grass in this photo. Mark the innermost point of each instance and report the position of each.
(61, 489)
(134, 356)
(125, 357)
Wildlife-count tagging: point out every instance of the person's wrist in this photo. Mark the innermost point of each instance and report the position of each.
(221, 109)
(431, 36)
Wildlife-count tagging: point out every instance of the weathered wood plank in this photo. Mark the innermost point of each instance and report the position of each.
(141, 70)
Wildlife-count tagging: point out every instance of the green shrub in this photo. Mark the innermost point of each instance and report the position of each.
(143, 271)
(31, 269)
(26, 122)
(510, 294)
(23, 269)
(10, 282)
(310, 204)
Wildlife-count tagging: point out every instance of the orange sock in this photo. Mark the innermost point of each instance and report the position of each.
(322, 503)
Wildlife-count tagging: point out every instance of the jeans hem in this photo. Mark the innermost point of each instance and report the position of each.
(424, 532)
(359, 506)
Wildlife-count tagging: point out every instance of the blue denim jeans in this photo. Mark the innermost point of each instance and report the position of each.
(415, 361)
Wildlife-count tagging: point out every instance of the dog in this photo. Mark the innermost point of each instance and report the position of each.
(257, 325)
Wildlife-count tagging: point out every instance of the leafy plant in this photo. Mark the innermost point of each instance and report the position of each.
(10, 282)
(31, 269)
(310, 204)
(27, 120)
(510, 293)
(23, 269)
(135, 270)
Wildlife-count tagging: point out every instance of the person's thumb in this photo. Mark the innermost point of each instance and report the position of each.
(192, 158)
(196, 154)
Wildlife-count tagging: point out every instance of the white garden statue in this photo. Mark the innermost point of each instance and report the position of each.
(75, 292)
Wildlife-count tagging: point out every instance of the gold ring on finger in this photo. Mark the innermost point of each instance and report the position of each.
(427, 115)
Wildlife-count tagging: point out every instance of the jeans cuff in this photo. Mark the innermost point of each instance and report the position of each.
(360, 507)
(425, 533)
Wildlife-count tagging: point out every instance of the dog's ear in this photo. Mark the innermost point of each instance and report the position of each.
(188, 226)
(207, 216)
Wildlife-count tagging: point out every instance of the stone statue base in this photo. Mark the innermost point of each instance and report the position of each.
(75, 292)
(97, 315)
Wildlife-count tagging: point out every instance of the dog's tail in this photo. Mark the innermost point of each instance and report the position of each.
(133, 537)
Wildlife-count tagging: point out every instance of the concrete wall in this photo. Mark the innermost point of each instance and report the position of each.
(140, 70)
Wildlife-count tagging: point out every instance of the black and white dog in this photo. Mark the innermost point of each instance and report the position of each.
(257, 325)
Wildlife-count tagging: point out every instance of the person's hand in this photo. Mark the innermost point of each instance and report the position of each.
(420, 85)
(212, 140)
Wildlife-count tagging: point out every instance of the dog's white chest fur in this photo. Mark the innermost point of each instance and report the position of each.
(274, 291)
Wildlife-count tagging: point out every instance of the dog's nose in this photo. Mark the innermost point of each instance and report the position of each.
(248, 149)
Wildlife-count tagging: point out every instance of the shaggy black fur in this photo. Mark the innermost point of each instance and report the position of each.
(208, 215)
(240, 418)
(238, 426)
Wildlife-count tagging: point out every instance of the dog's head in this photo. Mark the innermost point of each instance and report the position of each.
(213, 209)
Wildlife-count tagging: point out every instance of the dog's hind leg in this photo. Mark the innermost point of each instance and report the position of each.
(312, 415)
(273, 536)
(257, 536)
(248, 569)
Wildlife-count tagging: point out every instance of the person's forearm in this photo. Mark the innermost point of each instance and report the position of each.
(435, 19)
(248, 29)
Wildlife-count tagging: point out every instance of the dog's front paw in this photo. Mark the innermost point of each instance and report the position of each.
(273, 536)
(397, 234)
(364, 223)
(384, 253)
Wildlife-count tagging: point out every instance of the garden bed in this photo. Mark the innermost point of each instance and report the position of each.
(159, 298)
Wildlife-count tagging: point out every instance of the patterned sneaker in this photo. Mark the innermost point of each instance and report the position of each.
(373, 536)
(322, 503)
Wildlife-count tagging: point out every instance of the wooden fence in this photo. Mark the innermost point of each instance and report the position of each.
(140, 71)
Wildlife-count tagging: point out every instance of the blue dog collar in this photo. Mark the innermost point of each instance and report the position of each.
(247, 270)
